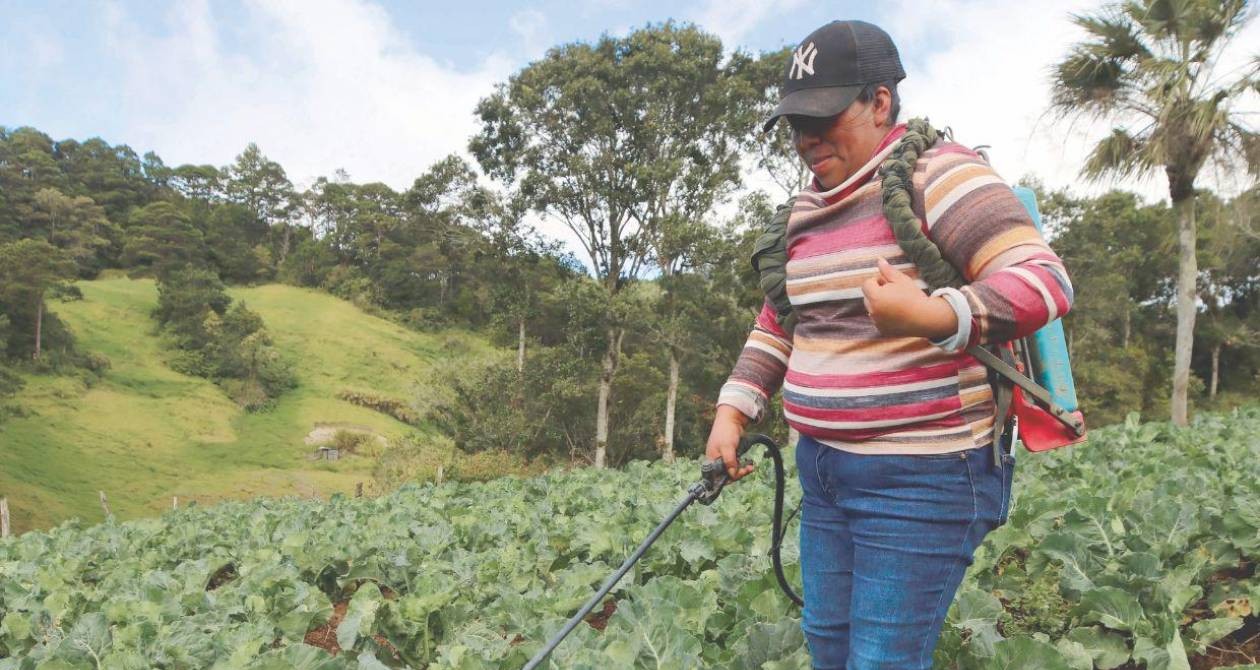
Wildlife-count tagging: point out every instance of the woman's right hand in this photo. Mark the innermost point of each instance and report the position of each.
(728, 427)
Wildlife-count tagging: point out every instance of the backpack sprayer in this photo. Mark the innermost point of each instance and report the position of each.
(713, 478)
(1031, 377)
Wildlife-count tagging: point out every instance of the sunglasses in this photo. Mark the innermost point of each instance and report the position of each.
(811, 125)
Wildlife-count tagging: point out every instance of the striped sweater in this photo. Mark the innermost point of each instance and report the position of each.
(852, 388)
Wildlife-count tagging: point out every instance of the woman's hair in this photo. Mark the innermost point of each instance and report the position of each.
(868, 94)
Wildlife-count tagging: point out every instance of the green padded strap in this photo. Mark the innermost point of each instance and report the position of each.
(769, 259)
(897, 172)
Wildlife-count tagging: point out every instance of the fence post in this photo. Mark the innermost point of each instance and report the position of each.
(4, 517)
(174, 502)
(358, 490)
(105, 505)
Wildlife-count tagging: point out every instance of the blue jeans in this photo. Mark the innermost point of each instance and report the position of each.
(885, 541)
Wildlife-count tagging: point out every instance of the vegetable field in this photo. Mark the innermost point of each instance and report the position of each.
(1136, 550)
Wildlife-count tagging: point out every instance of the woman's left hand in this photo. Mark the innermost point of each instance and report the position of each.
(900, 308)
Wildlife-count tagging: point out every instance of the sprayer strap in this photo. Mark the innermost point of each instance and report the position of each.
(1029, 386)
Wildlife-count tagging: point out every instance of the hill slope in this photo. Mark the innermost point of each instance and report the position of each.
(146, 433)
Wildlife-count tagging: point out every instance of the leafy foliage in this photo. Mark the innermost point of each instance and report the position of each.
(218, 340)
(1138, 547)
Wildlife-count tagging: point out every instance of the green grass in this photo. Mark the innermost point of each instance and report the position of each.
(145, 433)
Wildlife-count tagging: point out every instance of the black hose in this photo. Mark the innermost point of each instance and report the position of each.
(776, 555)
(692, 495)
(706, 491)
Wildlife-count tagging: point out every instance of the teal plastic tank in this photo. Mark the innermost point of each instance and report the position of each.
(1048, 347)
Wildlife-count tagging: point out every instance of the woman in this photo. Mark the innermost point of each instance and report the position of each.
(895, 418)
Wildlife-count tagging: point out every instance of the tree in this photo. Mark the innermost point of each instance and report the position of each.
(29, 269)
(1124, 297)
(198, 182)
(773, 152)
(261, 185)
(1150, 65)
(583, 135)
(700, 109)
(161, 238)
(1229, 283)
(112, 175)
(76, 225)
(186, 297)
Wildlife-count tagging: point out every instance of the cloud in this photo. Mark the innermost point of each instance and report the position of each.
(323, 85)
(989, 79)
(733, 20)
(531, 26)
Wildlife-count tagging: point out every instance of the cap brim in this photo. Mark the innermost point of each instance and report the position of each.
(820, 102)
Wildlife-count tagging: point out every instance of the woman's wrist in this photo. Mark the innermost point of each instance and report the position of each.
(729, 413)
(937, 319)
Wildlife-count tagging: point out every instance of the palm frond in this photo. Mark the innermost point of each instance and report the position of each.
(1154, 59)
(1245, 144)
(1119, 155)
(1162, 20)
(1210, 21)
(1115, 35)
(1085, 82)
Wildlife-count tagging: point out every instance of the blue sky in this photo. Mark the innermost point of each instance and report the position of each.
(384, 88)
(64, 72)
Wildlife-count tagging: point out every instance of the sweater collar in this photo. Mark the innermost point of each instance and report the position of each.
(857, 179)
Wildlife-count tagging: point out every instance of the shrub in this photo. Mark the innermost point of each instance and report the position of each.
(351, 441)
(545, 410)
(395, 408)
(220, 341)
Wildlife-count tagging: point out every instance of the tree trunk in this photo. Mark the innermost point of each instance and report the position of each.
(284, 245)
(671, 404)
(1216, 369)
(611, 356)
(39, 325)
(1187, 276)
(520, 346)
(1127, 325)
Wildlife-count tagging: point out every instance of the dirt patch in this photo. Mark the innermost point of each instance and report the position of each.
(599, 620)
(1238, 648)
(221, 576)
(325, 636)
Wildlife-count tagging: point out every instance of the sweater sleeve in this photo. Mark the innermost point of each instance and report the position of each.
(1016, 283)
(759, 371)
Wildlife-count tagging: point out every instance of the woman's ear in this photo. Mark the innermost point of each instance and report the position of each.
(881, 107)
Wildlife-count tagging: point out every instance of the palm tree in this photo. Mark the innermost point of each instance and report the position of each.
(1151, 67)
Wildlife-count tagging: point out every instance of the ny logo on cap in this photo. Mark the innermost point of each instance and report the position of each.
(803, 61)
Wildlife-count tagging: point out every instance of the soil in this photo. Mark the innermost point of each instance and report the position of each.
(325, 636)
(221, 576)
(1239, 648)
(599, 620)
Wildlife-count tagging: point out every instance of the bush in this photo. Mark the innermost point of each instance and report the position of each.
(546, 410)
(395, 408)
(417, 458)
(248, 394)
(215, 339)
(351, 441)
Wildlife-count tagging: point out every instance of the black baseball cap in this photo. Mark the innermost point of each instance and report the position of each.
(831, 66)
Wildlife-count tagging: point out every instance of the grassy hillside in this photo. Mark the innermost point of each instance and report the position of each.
(146, 433)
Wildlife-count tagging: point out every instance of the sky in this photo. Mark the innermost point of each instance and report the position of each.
(384, 88)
